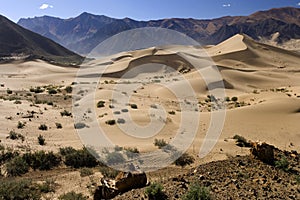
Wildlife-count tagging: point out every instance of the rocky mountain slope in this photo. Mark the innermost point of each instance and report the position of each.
(81, 34)
(18, 42)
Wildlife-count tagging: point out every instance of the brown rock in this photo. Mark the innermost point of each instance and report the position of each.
(263, 152)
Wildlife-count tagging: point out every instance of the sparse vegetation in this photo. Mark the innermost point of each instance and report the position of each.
(72, 196)
(41, 140)
(235, 99)
(197, 192)
(65, 113)
(58, 125)
(154, 191)
(43, 127)
(283, 163)
(20, 125)
(79, 158)
(184, 159)
(69, 89)
(15, 136)
(86, 172)
(160, 143)
(36, 90)
(172, 112)
(108, 172)
(17, 166)
(111, 122)
(241, 141)
(133, 106)
(8, 91)
(101, 104)
(42, 160)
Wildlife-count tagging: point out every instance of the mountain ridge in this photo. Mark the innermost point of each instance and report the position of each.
(82, 33)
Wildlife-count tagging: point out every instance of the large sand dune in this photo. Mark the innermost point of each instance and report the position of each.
(264, 78)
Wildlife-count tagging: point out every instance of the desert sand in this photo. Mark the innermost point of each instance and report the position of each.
(265, 79)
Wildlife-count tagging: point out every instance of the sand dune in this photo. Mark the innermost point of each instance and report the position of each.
(264, 78)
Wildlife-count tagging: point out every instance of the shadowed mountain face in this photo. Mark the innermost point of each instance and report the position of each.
(17, 41)
(83, 33)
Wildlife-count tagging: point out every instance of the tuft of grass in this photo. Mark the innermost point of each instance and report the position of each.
(101, 104)
(283, 163)
(184, 160)
(241, 141)
(58, 125)
(43, 127)
(133, 106)
(20, 125)
(160, 143)
(41, 140)
(65, 113)
(111, 122)
(197, 192)
(154, 191)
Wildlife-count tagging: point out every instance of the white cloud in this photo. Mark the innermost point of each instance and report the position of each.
(298, 4)
(226, 5)
(45, 6)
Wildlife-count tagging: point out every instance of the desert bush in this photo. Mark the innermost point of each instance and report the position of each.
(283, 163)
(8, 154)
(43, 127)
(114, 158)
(58, 125)
(234, 99)
(41, 140)
(67, 150)
(101, 104)
(184, 159)
(118, 148)
(17, 166)
(20, 125)
(47, 186)
(69, 89)
(154, 191)
(72, 196)
(18, 102)
(65, 113)
(36, 90)
(8, 91)
(125, 110)
(108, 172)
(160, 143)
(11, 189)
(52, 91)
(80, 158)
(172, 112)
(227, 99)
(111, 122)
(15, 136)
(42, 160)
(86, 172)
(197, 192)
(133, 106)
(131, 152)
(241, 141)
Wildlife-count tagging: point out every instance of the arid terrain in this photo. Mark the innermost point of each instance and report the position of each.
(262, 101)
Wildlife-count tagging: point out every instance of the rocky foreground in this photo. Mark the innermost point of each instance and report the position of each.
(241, 177)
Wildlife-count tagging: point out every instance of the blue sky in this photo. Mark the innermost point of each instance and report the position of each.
(138, 9)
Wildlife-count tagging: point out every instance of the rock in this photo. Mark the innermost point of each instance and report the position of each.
(126, 181)
(263, 152)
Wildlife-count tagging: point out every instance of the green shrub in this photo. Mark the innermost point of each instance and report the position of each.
(131, 152)
(67, 150)
(18, 189)
(58, 125)
(114, 158)
(101, 104)
(72, 196)
(36, 90)
(17, 166)
(18, 102)
(42, 160)
(8, 91)
(172, 112)
(133, 106)
(7, 155)
(15, 136)
(69, 89)
(160, 143)
(65, 113)
(154, 191)
(241, 141)
(47, 186)
(86, 172)
(43, 127)
(234, 99)
(227, 99)
(111, 122)
(108, 172)
(80, 158)
(184, 159)
(41, 140)
(197, 192)
(20, 125)
(52, 91)
(283, 164)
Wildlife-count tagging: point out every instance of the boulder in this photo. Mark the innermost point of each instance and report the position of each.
(263, 152)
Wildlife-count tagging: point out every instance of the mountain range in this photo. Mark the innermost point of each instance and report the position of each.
(84, 32)
(16, 42)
